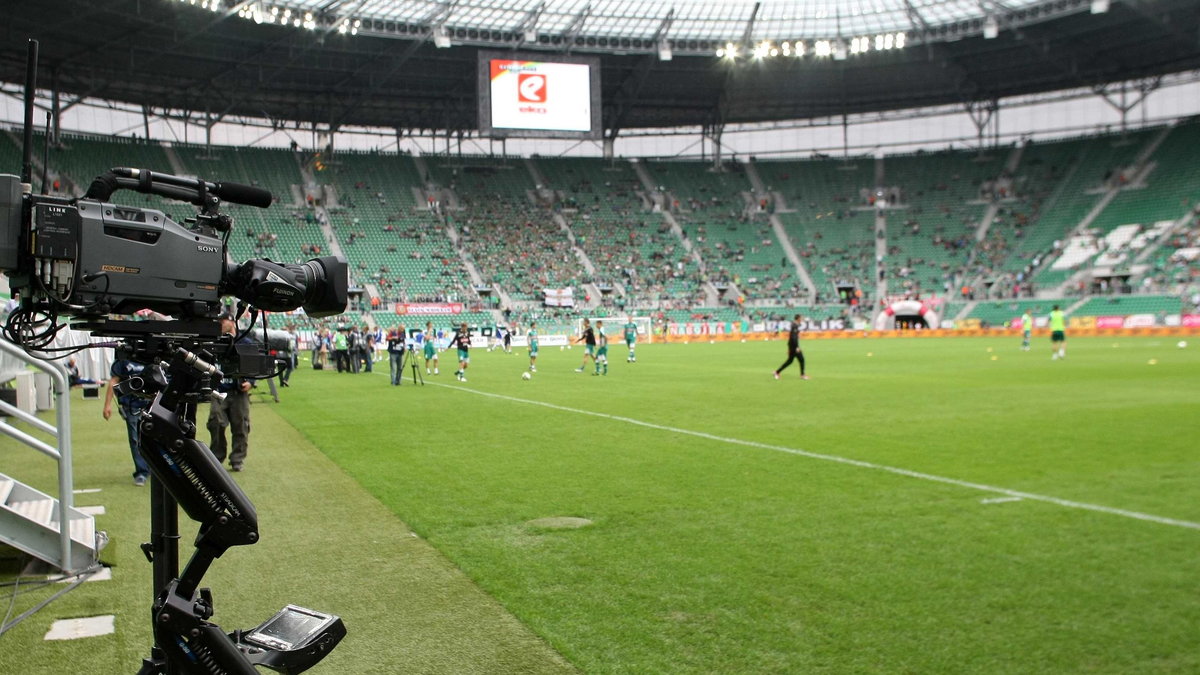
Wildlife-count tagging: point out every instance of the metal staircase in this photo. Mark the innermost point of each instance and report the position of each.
(31, 520)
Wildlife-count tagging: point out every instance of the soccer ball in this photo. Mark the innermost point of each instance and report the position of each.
(526, 376)
(1183, 344)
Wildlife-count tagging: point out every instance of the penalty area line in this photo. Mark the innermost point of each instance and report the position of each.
(1017, 494)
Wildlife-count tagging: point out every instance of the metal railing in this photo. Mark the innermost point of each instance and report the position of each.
(61, 431)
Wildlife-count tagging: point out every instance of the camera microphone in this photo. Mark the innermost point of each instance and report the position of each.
(191, 190)
(242, 194)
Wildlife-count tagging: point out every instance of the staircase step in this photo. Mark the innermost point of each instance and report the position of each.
(6, 486)
(37, 510)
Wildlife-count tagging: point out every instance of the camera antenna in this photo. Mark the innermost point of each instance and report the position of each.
(46, 156)
(30, 93)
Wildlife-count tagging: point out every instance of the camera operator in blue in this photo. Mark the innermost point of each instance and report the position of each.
(131, 407)
(233, 412)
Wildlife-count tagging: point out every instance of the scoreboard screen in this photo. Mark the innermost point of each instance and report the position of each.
(538, 96)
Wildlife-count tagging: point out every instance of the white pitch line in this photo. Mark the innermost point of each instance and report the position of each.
(1136, 515)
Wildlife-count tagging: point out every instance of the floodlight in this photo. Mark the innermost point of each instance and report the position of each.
(664, 50)
(441, 38)
(1099, 6)
(991, 27)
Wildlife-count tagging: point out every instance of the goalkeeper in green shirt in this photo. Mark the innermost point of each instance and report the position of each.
(1058, 334)
(630, 339)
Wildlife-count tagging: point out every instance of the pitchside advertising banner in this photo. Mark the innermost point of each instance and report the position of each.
(429, 308)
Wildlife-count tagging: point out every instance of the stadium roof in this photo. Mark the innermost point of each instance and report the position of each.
(719, 20)
(376, 63)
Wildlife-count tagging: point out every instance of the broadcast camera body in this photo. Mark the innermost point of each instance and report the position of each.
(90, 258)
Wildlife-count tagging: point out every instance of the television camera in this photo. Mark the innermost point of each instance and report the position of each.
(89, 258)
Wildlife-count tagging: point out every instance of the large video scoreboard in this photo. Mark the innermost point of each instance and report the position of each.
(533, 95)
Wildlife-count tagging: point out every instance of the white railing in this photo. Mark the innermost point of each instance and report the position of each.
(61, 431)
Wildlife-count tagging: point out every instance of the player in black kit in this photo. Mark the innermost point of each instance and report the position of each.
(794, 351)
(588, 338)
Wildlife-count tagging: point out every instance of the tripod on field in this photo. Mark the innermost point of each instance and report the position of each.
(416, 371)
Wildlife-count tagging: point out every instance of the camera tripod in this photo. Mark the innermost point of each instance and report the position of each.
(416, 370)
(184, 473)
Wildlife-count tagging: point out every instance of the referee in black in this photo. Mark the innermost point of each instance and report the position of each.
(794, 351)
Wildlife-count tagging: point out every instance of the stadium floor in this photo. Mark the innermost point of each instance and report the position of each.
(934, 505)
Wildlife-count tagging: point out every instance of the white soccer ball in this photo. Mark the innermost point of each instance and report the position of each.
(1182, 344)
(526, 376)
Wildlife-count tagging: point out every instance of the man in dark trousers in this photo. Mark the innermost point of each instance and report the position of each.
(233, 412)
(131, 407)
(794, 351)
(395, 348)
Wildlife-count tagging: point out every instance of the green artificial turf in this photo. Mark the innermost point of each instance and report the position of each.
(738, 524)
(708, 555)
(325, 544)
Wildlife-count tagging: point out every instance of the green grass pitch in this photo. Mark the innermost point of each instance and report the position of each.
(919, 505)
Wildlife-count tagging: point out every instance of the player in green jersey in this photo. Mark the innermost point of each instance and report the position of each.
(601, 349)
(430, 351)
(630, 339)
(533, 347)
(1058, 334)
(1026, 329)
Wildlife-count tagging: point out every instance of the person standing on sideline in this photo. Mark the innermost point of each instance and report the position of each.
(341, 350)
(1058, 334)
(354, 346)
(533, 346)
(430, 349)
(630, 339)
(462, 340)
(1026, 329)
(601, 349)
(588, 338)
(233, 411)
(368, 348)
(794, 351)
(131, 408)
(289, 363)
(395, 350)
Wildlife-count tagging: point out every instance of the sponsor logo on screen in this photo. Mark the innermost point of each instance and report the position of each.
(531, 87)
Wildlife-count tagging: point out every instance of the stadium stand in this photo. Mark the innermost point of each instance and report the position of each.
(716, 212)
(1055, 186)
(1117, 305)
(1002, 312)
(832, 229)
(513, 242)
(385, 238)
(944, 195)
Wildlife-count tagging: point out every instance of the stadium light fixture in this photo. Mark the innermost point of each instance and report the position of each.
(441, 37)
(991, 27)
(664, 50)
(823, 48)
(839, 50)
(1099, 6)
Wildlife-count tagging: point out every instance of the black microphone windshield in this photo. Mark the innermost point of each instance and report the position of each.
(243, 194)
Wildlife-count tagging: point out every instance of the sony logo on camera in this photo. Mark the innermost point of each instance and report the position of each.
(207, 249)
